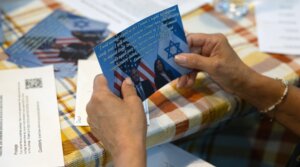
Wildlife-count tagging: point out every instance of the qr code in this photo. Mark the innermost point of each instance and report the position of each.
(33, 83)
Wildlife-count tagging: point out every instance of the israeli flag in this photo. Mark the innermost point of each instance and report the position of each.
(172, 41)
(77, 23)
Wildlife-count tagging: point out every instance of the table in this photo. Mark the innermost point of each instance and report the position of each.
(174, 113)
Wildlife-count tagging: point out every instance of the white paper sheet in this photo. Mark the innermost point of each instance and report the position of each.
(121, 14)
(87, 70)
(169, 155)
(278, 26)
(29, 120)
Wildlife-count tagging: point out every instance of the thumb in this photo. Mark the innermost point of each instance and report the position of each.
(100, 83)
(193, 61)
(128, 90)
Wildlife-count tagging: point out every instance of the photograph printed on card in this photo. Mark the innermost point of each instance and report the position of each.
(60, 39)
(145, 52)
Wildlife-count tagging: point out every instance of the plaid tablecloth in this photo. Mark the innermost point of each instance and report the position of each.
(177, 113)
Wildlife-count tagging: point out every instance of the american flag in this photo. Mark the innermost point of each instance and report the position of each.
(127, 58)
(48, 55)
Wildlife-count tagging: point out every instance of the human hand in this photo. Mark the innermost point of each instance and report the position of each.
(214, 55)
(120, 124)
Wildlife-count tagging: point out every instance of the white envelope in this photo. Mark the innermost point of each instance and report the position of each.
(29, 120)
(87, 70)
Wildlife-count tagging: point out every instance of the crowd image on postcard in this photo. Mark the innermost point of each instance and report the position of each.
(145, 52)
(60, 39)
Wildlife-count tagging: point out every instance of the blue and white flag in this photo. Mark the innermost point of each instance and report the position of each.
(172, 41)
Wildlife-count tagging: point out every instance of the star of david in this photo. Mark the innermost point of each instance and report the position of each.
(81, 24)
(173, 49)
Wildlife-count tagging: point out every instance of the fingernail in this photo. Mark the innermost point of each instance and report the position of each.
(180, 59)
(128, 81)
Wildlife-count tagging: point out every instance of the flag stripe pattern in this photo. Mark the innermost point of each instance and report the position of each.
(50, 55)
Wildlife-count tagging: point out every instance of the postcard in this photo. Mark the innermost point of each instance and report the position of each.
(60, 39)
(145, 52)
(29, 119)
(87, 70)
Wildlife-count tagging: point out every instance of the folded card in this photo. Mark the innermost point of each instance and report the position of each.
(145, 52)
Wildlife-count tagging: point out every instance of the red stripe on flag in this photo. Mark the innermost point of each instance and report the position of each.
(119, 76)
(146, 68)
(118, 87)
(65, 41)
(48, 57)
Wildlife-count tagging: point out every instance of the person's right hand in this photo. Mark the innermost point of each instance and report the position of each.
(120, 124)
(214, 55)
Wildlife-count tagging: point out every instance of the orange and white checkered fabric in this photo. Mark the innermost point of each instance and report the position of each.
(175, 113)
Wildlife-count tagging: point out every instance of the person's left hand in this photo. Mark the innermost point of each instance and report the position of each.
(120, 124)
